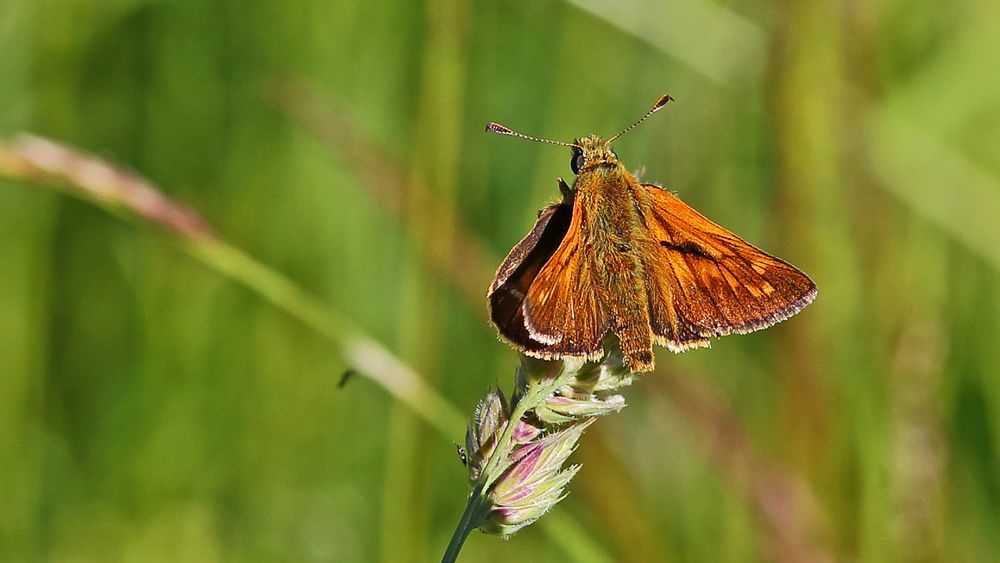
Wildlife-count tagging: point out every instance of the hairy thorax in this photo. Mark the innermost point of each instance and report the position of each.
(608, 224)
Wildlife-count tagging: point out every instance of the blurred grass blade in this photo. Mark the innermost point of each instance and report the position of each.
(938, 182)
(717, 42)
(465, 258)
(35, 159)
(362, 353)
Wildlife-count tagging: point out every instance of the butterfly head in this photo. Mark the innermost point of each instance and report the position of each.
(592, 152)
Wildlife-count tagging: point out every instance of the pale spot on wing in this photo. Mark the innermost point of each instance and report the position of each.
(730, 278)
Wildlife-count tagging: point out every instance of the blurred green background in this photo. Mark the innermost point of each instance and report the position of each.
(153, 409)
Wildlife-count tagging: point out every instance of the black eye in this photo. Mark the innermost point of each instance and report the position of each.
(576, 163)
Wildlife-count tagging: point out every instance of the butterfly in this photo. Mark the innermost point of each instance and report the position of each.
(631, 259)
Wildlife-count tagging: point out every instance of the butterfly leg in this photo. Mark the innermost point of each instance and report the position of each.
(564, 189)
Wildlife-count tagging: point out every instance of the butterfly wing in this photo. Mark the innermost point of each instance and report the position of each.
(518, 271)
(561, 308)
(704, 281)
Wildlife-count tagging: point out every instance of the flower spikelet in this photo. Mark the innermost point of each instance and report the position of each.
(534, 482)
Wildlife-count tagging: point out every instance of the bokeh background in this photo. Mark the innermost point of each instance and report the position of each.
(159, 402)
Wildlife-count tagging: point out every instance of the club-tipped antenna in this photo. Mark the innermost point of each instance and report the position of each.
(656, 107)
(497, 128)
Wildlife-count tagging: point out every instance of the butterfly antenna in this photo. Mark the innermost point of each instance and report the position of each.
(497, 128)
(656, 107)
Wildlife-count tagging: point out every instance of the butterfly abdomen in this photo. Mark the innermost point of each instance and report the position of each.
(622, 289)
(624, 299)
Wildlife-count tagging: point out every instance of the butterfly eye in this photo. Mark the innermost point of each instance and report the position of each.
(576, 163)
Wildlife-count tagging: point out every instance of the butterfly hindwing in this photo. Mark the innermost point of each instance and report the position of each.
(704, 281)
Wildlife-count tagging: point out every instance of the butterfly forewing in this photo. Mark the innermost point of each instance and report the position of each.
(704, 281)
(561, 308)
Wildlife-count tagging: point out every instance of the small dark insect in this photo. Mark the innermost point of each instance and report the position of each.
(344, 377)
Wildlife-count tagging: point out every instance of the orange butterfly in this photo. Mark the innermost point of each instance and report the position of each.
(630, 258)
